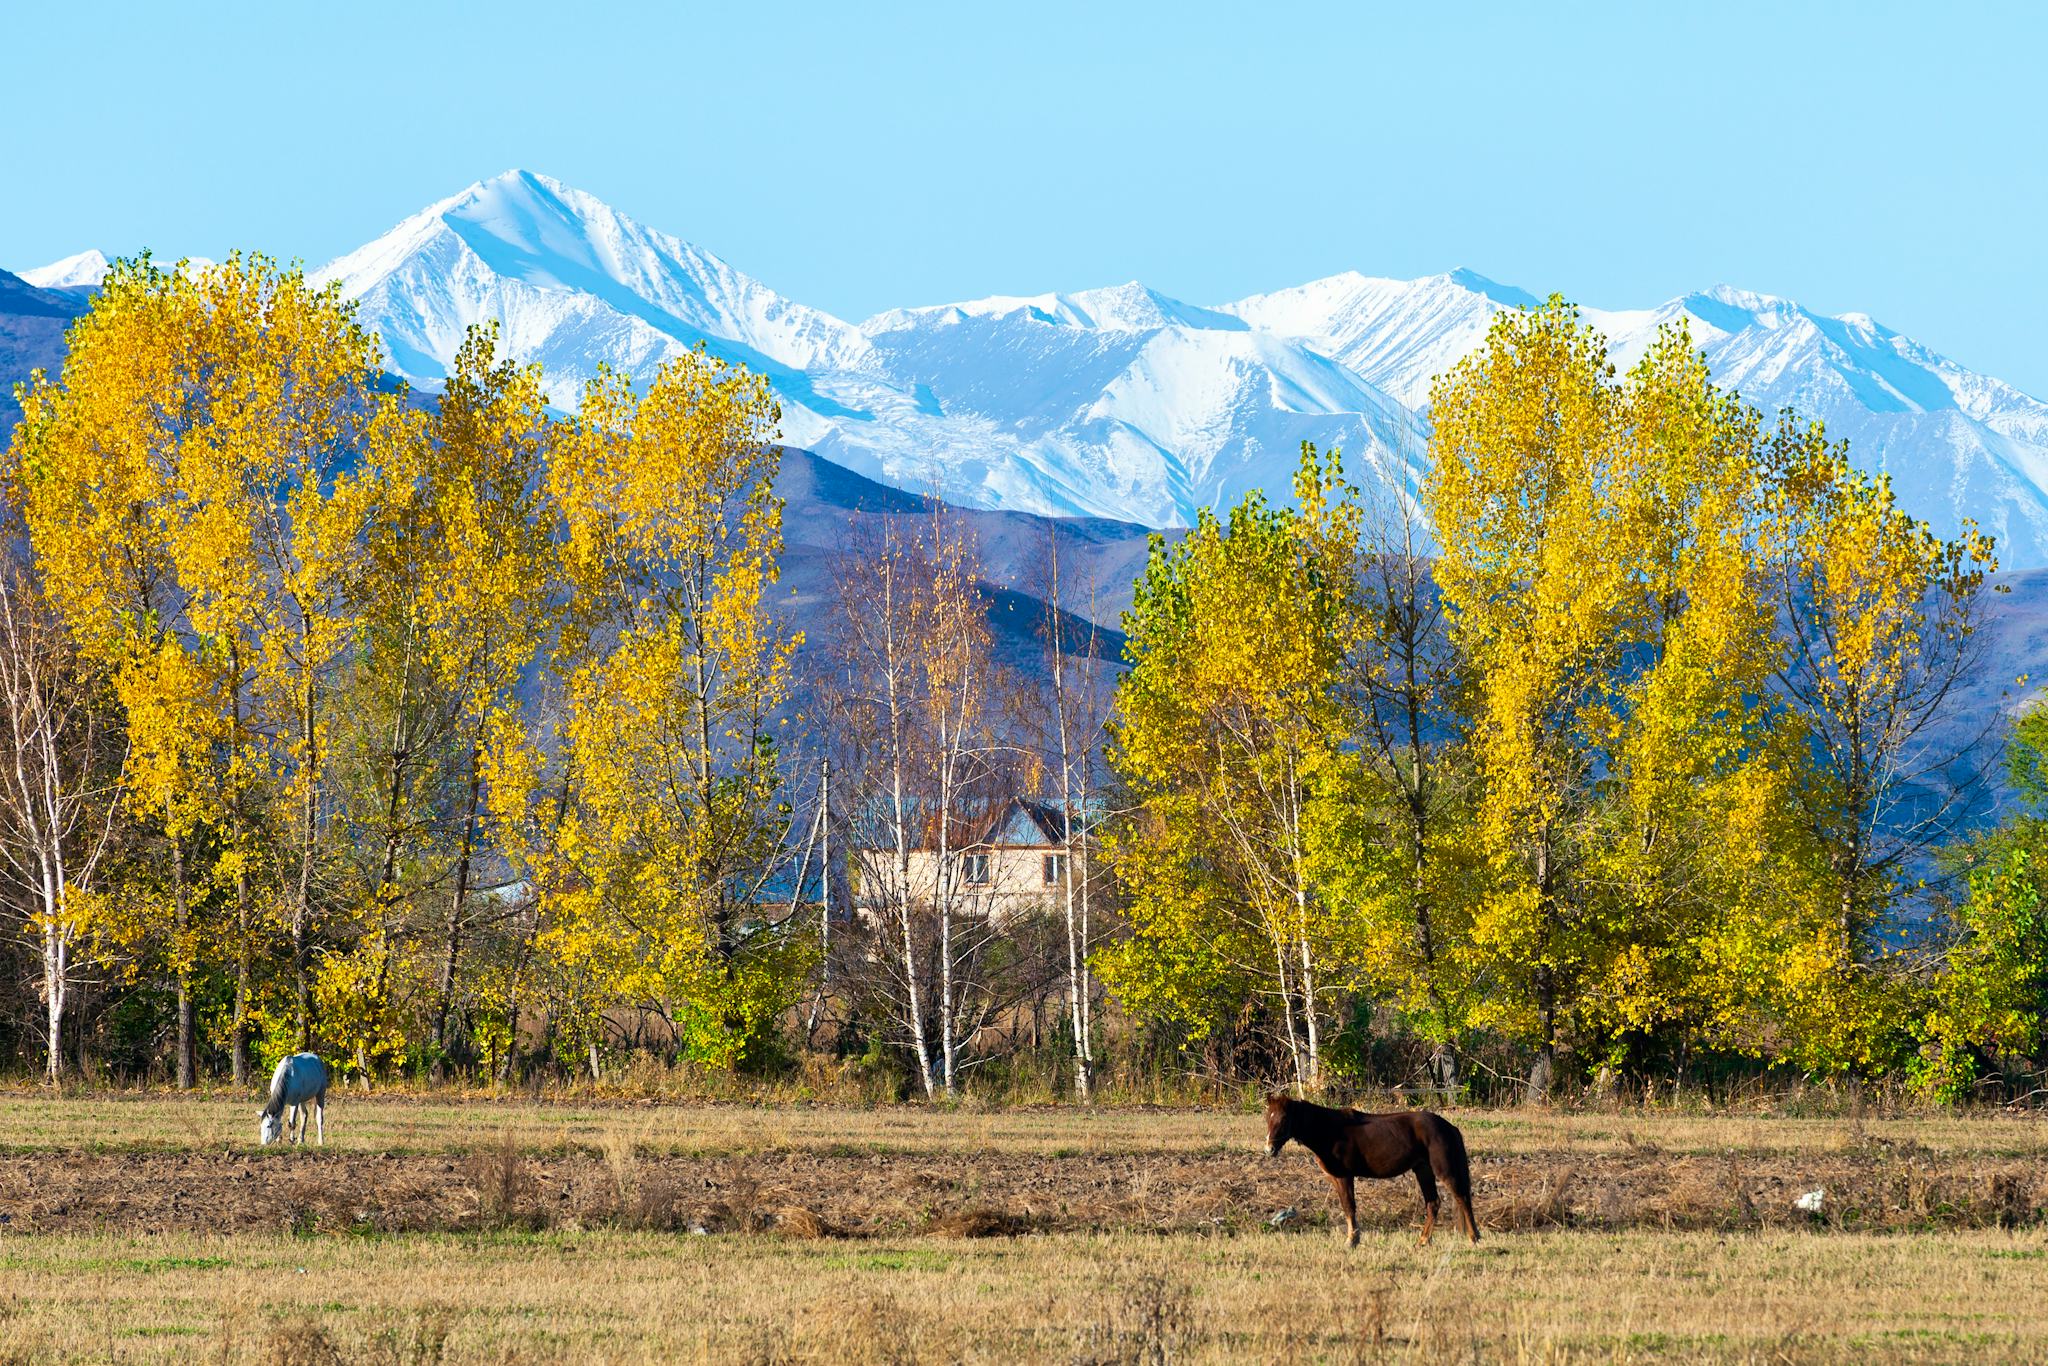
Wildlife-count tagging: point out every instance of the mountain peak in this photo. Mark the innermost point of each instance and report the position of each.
(1135, 307)
(1508, 296)
(1122, 400)
(1129, 307)
(572, 281)
(83, 271)
(1749, 300)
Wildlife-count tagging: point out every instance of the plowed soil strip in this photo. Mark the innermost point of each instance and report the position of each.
(807, 1194)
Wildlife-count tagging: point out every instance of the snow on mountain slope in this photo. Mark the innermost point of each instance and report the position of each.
(1124, 402)
(574, 283)
(1112, 402)
(1956, 444)
(1147, 424)
(82, 271)
(1118, 308)
(1398, 334)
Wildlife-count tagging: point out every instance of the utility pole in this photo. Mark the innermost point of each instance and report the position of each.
(824, 895)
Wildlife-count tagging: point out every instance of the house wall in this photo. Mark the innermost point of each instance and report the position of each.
(1016, 883)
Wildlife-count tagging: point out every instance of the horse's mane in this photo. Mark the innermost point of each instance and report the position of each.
(275, 1104)
(280, 1083)
(1328, 1113)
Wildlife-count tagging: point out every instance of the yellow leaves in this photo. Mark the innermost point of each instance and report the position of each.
(1885, 584)
(356, 1005)
(1231, 732)
(1527, 450)
(673, 482)
(1605, 555)
(672, 666)
(474, 472)
(176, 485)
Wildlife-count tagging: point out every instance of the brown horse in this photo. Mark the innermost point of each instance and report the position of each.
(1349, 1144)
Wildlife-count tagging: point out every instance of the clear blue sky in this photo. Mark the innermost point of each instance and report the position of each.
(1892, 159)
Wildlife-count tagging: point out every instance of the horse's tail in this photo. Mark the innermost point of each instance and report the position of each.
(1448, 1157)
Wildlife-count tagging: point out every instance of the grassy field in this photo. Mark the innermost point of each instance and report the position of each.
(138, 1228)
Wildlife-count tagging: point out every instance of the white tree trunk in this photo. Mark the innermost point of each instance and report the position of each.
(905, 905)
(56, 984)
(47, 845)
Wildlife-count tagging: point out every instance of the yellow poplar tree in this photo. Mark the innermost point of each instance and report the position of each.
(1231, 733)
(1526, 448)
(487, 610)
(1686, 860)
(272, 555)
(670, 819)
(396, 757)
(1879, 617)
(181, 486)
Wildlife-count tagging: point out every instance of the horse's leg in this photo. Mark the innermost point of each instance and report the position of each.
(1428, 1184)
(1347, 1196)
(320, 1117)
(1465, 1215)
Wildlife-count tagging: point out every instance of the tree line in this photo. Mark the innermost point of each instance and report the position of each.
(457, 737)
(375, 722)
(1649, 750)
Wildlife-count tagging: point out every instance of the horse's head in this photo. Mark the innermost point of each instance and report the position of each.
(1278, 1124)
(268, 1130)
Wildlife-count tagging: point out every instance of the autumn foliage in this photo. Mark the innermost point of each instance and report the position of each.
(447, 732)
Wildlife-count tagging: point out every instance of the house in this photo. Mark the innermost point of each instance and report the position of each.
(1007, 859)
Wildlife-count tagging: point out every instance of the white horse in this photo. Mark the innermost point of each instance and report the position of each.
(299, 1081)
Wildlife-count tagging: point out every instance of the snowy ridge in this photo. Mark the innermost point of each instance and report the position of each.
(1123, 402)
(1116, 402)
(1957, 445)
(80, 275)
(574, 283)
(82, 271)
(1118, 308)
(1399, 334)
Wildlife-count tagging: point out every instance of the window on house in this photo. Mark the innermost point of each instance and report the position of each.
(1055, 868)
(974, 869)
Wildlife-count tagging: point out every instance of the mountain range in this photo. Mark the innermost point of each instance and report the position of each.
(1122, 402)
(1115, 409)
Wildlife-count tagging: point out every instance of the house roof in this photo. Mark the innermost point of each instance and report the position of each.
(1007, 823)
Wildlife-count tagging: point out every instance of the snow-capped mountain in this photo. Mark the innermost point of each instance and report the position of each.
(1118, 308)
(1118, 402)
(1400, 334)
(80, 275)
(1124, 402)
(1956, 444)
(574, 283)
(83, 271)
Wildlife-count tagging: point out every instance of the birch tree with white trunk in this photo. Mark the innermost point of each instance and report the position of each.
(59, 789)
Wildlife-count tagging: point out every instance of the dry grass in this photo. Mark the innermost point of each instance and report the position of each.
(31, 1120)
(629, 1297)
(432, 1231)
